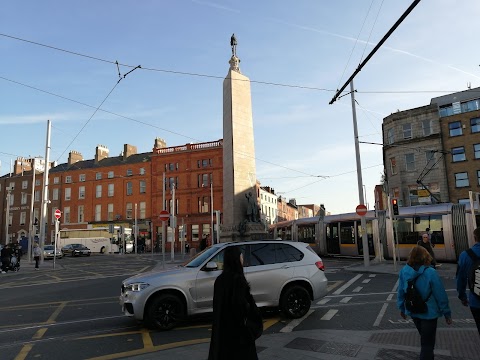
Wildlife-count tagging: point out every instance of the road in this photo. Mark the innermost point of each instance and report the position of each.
(73, 312)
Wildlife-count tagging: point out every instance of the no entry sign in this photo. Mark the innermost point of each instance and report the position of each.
(361, 210)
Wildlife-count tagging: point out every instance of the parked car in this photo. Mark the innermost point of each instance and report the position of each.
(48, 251)
(75, 250)
(284, 274)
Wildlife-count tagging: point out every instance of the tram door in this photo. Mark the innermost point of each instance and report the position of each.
(371, 248)
(333, 241)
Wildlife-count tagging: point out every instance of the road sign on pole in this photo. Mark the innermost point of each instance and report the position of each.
(58, 214)
(361, 210)
(164, 215)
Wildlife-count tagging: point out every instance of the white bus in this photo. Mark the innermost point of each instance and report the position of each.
(98, 240)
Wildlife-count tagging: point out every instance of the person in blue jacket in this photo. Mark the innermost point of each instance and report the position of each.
(465, 262)
(430, 287)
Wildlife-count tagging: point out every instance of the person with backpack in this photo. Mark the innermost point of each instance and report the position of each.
(422, 296)
(468, 273)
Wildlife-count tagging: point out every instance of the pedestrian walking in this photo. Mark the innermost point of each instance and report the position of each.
(37, 252)
(418, 276)
(425, 242)
(236, 320)
(203, 242)
(5, 255)
(468, 272)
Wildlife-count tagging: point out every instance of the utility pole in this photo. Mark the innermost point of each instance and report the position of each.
(7, 216)
(135, 233)
(32, 214)
(211, 211)
(45, 200)
(163, 224)
(173, 223)
(363, 221)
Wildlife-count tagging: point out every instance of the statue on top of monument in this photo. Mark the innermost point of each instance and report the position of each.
(233, 44)
(252, 207)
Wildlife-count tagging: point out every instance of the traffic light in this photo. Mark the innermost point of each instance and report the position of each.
(395, 206)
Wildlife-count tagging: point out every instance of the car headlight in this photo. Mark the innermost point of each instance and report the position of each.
(136, 286)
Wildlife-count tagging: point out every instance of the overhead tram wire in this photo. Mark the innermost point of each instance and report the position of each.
(375, 49)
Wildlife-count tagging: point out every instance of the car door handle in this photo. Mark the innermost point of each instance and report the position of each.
(285, 266)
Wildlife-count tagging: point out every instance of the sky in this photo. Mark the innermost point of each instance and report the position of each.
(57, 62)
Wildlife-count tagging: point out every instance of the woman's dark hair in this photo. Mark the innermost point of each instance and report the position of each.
(231, 260)
(419, 256)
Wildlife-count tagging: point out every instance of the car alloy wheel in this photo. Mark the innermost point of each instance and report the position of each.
(164, 312)
(295, 301)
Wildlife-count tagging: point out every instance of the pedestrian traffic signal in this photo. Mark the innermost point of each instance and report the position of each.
(395, 206)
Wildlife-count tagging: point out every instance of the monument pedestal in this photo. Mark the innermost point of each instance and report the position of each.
(245, 231)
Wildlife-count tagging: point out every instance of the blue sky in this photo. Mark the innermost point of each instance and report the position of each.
(306, 43)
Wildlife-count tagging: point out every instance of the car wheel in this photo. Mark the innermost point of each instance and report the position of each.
(295, 301)
(164, 312)
(102, 250)
(88, 254)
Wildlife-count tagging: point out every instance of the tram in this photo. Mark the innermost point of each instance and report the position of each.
(450, 227)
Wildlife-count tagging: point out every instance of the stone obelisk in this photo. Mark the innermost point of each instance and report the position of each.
(239, 178)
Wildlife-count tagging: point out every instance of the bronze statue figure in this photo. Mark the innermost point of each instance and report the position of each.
(233, 44)
(252, 208)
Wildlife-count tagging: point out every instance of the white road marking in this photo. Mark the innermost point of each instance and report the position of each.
(357, 289)
(385, 305)
(372, 275)
(346, 299)
(323, 301)
(366, 281)
(329, 315)
(295, 322)
(350, 282)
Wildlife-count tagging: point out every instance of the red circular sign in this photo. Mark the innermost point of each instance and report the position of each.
(361, 210)
(164, 215)
(58, 214)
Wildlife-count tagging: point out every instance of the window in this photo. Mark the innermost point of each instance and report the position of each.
(111, 191)
(68, 179)
(23, 200)
(478, 177)
(81, 192)
(37, 182)
(24, 184)
(80, 214)
(475, 124)
(455, 128)
(23, 218)
(476, 151)
(204, 180)
(143, 186)
(287, 253)
(194, 232)
(430, 157)
(407, 131)
(68, 193)
(427, 127)
(262, 254)
(143, 210)
(393, 166)
(55, 194)
(37, 195)
(12, 186)
(390, 136)
(171, 167)
(129, 188)
(458, 154)
(206, 230)
(98, 212)
(98, 191)
(66, 215)
(129, 172)
(204, 163)
(461, 179)
(81, 178)
(410, 162)
(129, 210)
(110, 175)
(172, 181)
(110, 212)
(56, 180)
(98, 176)
(142, 171)
(203, 204)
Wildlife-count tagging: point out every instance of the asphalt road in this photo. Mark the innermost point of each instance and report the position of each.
(73, 312)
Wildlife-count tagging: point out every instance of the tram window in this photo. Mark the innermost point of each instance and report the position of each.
(287, 253)
(347, 233)
(405, 231)
(432, 222)
(262, 254)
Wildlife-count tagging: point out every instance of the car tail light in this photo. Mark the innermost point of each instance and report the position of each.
(320, 265)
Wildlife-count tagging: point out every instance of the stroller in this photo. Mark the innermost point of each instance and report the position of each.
(14, 264)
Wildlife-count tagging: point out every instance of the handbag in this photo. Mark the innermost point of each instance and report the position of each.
(253, 320)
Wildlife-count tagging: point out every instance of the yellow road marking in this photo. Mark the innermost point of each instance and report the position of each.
(335, 284)
(22, 355)
(52, 317)
(39, 334)
(147, 339)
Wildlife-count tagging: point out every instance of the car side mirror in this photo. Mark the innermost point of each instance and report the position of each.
(211, 266)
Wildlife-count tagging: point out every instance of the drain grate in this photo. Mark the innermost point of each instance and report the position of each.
(306, 344)
(333, 348)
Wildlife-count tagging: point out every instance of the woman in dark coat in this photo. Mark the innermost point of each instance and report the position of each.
(231, 339)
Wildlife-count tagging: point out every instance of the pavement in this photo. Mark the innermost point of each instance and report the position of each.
(394, 344)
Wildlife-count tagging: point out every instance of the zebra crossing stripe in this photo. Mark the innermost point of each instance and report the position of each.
(329, 315)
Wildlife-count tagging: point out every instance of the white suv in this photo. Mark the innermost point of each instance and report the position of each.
(281, 273)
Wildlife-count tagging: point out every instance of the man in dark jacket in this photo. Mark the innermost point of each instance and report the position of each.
(465, 263)
(5, 255)
(425, 242)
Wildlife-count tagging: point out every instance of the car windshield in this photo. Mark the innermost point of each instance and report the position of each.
(200, 258)
(48, 247)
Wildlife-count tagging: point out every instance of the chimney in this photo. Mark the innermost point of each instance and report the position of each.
(21, 165)
(128, 150)
(101, 152)
(73, 157)
(159, 144)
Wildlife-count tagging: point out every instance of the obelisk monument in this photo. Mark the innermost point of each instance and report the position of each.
(239, 178)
